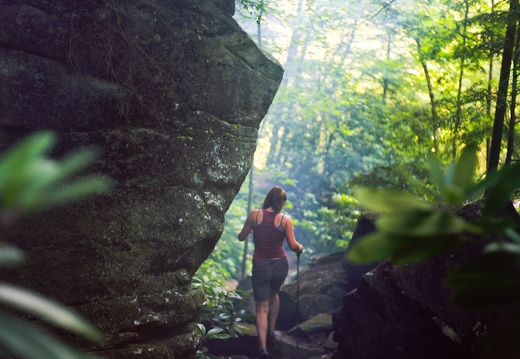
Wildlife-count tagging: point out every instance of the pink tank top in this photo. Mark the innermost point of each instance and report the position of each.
(268, 239)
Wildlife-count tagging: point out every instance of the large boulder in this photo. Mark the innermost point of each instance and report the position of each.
(406, 311)
(319, 289)
(172, 94)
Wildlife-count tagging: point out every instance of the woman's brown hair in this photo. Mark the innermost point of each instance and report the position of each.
(276, 198)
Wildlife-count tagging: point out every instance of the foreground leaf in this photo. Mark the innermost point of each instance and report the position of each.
(500, 186)
(421, 223)
(436, 172)
(501, 342)
(28, 341)
(372, 248)
(491, 281)
(415, 249)
(17, 163)
(10, 256)
(74, 191)
(465, 167)
(386, 200)
(48, 310)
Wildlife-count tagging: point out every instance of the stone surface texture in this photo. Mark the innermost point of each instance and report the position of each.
(171, 93)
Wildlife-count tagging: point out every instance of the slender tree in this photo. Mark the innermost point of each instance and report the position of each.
(514, 92)
(507, 55)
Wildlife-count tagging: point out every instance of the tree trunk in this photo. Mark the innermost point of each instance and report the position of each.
(498, 124)
(512, 107)
(433, 106)
(489, 95)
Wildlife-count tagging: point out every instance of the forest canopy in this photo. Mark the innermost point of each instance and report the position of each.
(370, 89)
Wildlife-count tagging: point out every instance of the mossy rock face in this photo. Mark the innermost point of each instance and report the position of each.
(321, 288)
(171, 93)
(320, 322)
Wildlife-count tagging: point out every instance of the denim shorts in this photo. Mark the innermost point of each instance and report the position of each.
(268, 276)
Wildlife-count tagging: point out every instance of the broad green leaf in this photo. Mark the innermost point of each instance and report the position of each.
(415, 249)
(372, 248)
(75, 191)
(453, 194)
(420, 223)
(16, 161)
(37, 180)
(10, 256)
(491, 281)
(387, 200)
(219, 336)
(76, 161)
(507, 180)
(202, 329)
(215, 330)
(217, 333)
(436, 171)
(502, 342)
(465, 167)
(28, 341)
(30, 182)
(237, 331)
(48, 310)
(514, 235)
(224, 316)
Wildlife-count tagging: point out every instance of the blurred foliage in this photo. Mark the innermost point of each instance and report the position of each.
(29, 182)
(410, 229)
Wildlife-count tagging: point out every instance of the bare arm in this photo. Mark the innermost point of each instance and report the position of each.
(288, 228)
(248, 226)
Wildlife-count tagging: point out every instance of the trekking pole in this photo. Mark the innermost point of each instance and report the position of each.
(297, 300)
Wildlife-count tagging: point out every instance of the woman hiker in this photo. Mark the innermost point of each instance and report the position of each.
(270, 267)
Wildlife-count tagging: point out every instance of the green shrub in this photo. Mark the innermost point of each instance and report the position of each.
(219, 317)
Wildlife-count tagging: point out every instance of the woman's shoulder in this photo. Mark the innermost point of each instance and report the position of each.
(255, 214)
(284, 216)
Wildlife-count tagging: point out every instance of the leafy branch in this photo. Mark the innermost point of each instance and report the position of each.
(29, 182)
(410, 230)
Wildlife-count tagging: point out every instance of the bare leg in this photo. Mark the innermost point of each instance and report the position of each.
(274, 308)
(262, 308)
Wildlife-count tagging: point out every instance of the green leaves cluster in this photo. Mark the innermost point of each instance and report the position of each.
(30, 181)
(252, 9)
(219, 318)
(410, 229)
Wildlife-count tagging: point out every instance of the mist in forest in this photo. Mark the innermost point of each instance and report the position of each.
(370, 89)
